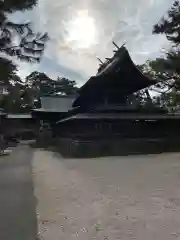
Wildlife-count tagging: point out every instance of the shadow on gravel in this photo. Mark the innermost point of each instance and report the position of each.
(17, 202)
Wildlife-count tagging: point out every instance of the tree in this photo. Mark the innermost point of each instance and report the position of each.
(157, 71)
(20, 41)
(166, 70)
(166, 90)
(65, 86)
(170, 65)
(38, 84)
(17, 40)
(8, 71)
(170, 25)
(44, 85)
(29, 45)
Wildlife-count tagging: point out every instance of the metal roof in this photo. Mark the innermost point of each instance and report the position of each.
(43, 110)
(59, 96)
(19, 116)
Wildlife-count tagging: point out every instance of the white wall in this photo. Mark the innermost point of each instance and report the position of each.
(61, 104)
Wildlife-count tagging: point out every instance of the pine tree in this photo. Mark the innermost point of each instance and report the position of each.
(170, 25)
(30, 45)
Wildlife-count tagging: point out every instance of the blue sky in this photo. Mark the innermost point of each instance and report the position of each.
(81, 30)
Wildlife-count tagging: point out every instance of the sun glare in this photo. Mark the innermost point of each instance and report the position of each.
(82, 31)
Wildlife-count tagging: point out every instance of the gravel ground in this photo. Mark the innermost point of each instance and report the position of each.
(107, 198)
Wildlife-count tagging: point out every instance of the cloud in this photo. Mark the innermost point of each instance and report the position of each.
(125, 21)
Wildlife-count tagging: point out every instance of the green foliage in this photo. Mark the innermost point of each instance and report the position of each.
(17, 40)
(7, 70)
(17, 5)
(65, 86)
(23, 97)
(169, 67)
(43, 85)
(166, 70)
(170, 25)
(29, 45)
(40, 83)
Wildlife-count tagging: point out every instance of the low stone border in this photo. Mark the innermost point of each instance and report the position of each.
(115, 147)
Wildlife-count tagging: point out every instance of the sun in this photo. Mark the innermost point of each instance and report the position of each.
(82, 32)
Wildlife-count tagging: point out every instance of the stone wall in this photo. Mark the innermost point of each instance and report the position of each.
(115, 147)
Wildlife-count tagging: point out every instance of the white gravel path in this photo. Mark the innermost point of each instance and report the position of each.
(107, 198)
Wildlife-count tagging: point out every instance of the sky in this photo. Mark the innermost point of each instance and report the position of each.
(82, 30)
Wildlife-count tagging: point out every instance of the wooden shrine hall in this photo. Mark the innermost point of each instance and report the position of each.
(105, 105)
(107, 113)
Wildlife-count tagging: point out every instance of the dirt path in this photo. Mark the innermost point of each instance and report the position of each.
(118, 198)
